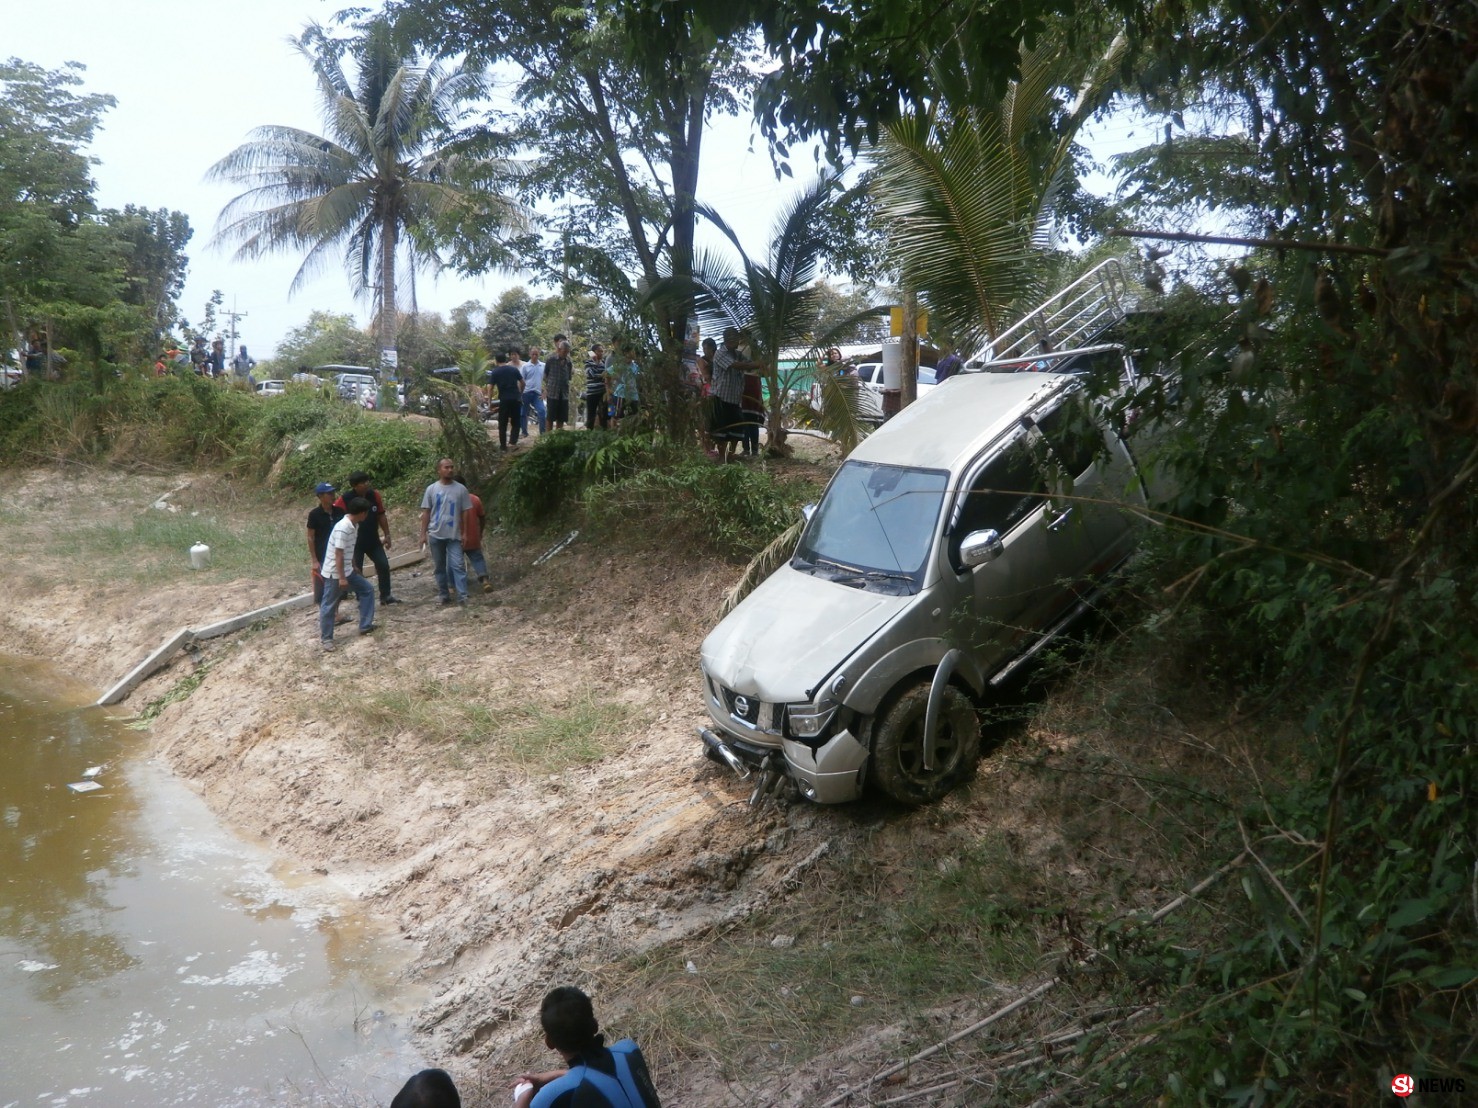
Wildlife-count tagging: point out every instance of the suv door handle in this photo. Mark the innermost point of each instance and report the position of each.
(1060, 520)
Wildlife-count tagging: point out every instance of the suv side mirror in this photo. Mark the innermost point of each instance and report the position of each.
(807, 511)
(979, 547)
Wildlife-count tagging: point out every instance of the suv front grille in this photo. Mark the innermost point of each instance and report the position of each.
(752, 712)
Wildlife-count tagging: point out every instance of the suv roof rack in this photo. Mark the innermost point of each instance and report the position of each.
(1087, 307)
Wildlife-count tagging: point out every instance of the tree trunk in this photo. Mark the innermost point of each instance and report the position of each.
(388, 318)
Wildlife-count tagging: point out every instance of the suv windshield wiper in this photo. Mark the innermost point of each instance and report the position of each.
(819, 561)
(862, 576)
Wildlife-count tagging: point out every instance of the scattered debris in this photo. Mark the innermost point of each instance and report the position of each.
(84, 786)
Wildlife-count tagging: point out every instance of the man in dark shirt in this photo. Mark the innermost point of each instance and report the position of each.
(598, 1076)
(374, 533)
(509, 382)
(321, 521)
(558, 373)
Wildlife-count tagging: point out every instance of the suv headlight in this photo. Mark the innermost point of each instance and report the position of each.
(806, 721)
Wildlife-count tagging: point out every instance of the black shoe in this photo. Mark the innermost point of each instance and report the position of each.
(370, 629)
(392, 600)
(446, 600)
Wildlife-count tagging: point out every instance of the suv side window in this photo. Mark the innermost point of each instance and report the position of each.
(1003, 494)
(1075, 439)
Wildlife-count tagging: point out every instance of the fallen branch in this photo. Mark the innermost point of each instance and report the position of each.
(1021, 1001)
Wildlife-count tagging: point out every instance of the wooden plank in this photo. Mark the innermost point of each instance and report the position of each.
(149, 665)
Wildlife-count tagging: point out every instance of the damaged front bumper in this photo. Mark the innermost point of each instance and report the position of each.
(830, 773)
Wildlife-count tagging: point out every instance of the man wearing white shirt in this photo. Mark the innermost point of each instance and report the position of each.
(533, 392)
(339, 578)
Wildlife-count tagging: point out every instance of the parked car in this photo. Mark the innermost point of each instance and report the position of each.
(949, 548)
(350, 386)
(271, 388)
(10, 376)
(312, 379)
(871, 375)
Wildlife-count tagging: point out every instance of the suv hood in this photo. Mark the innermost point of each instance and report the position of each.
(792, 631)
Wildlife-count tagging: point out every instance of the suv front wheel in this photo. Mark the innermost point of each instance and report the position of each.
(897, 762)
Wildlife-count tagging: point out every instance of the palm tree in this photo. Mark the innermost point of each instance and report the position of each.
(966, 186)
(775, 303)
(386, 176)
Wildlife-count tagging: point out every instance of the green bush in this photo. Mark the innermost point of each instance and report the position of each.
(400, 462)
(732, 509)
(139, 420)
(291, 417)
(555, 471)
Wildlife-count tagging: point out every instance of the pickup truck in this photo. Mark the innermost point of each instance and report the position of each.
(948, 549)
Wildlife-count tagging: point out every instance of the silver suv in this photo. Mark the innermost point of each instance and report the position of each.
(949, 548)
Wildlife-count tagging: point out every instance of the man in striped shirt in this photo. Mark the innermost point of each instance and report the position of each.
(729, 366)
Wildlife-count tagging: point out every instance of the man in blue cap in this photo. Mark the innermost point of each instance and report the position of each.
(321, 522)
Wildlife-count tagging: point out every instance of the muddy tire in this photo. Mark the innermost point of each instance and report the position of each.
(897, 762)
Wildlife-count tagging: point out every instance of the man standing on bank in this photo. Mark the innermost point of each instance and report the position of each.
(507, 379)
(558, 373)
(342, 579)
(374, 536)
(533, 393)
(444, 510)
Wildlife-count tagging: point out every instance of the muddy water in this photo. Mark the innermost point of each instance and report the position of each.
(147, 957)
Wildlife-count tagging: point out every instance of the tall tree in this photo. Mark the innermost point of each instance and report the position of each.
(326, 338)
(613, 98)
(389, 180)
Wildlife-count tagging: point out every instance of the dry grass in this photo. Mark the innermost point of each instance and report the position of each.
(1110, 799)
(462, 721)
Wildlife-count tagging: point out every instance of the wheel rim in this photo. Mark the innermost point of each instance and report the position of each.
(911, 751)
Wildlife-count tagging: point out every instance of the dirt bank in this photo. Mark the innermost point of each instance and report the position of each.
(506, 875)
(516, 787)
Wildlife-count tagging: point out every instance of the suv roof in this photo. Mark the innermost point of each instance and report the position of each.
(959, 418)
(364, 369)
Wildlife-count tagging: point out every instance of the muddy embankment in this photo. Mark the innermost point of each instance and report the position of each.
(506, 876)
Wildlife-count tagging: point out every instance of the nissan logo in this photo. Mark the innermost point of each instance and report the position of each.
(741, 705)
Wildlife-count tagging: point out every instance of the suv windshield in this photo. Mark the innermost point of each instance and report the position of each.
(874, 527)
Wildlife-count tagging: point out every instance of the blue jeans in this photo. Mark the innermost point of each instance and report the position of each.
(479, 563)
(447, 558)
(333, 592)
(532, 402)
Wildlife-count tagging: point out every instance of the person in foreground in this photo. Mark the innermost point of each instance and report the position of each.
(428, 1089)
(598, 1076)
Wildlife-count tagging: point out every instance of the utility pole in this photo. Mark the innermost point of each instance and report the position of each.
(233, 315)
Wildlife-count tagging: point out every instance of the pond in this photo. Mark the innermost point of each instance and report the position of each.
(148, 957)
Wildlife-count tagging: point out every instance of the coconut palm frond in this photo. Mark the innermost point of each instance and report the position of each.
(967, 186)
(391, 154)
(766, 562)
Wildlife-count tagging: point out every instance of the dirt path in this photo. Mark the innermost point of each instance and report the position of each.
(506, 868)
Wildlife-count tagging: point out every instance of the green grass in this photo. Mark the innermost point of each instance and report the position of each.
(180, 690)
(155, 547)
(470, 723)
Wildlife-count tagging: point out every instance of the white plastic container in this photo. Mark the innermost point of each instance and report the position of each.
(199, 556)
